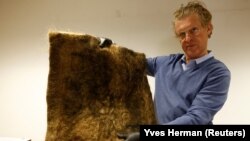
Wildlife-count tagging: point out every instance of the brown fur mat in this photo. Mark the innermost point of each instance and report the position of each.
(94, 93)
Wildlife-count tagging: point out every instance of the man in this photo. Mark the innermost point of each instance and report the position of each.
(190, 88)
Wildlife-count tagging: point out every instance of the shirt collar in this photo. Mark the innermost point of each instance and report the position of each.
(199, 60)
(194, 62)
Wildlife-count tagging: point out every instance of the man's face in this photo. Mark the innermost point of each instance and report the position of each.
(193, 36)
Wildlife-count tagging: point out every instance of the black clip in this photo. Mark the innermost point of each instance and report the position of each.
(105, 42)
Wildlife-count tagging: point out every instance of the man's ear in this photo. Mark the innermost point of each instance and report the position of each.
(210, 29)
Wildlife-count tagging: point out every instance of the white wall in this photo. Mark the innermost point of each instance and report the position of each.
(141, 25)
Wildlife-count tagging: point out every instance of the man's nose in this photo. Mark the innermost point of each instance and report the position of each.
(188, 37)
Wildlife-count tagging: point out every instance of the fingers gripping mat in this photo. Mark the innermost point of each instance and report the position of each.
(94, 93)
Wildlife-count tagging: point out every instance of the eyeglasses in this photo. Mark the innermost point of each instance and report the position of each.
(195, 31)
